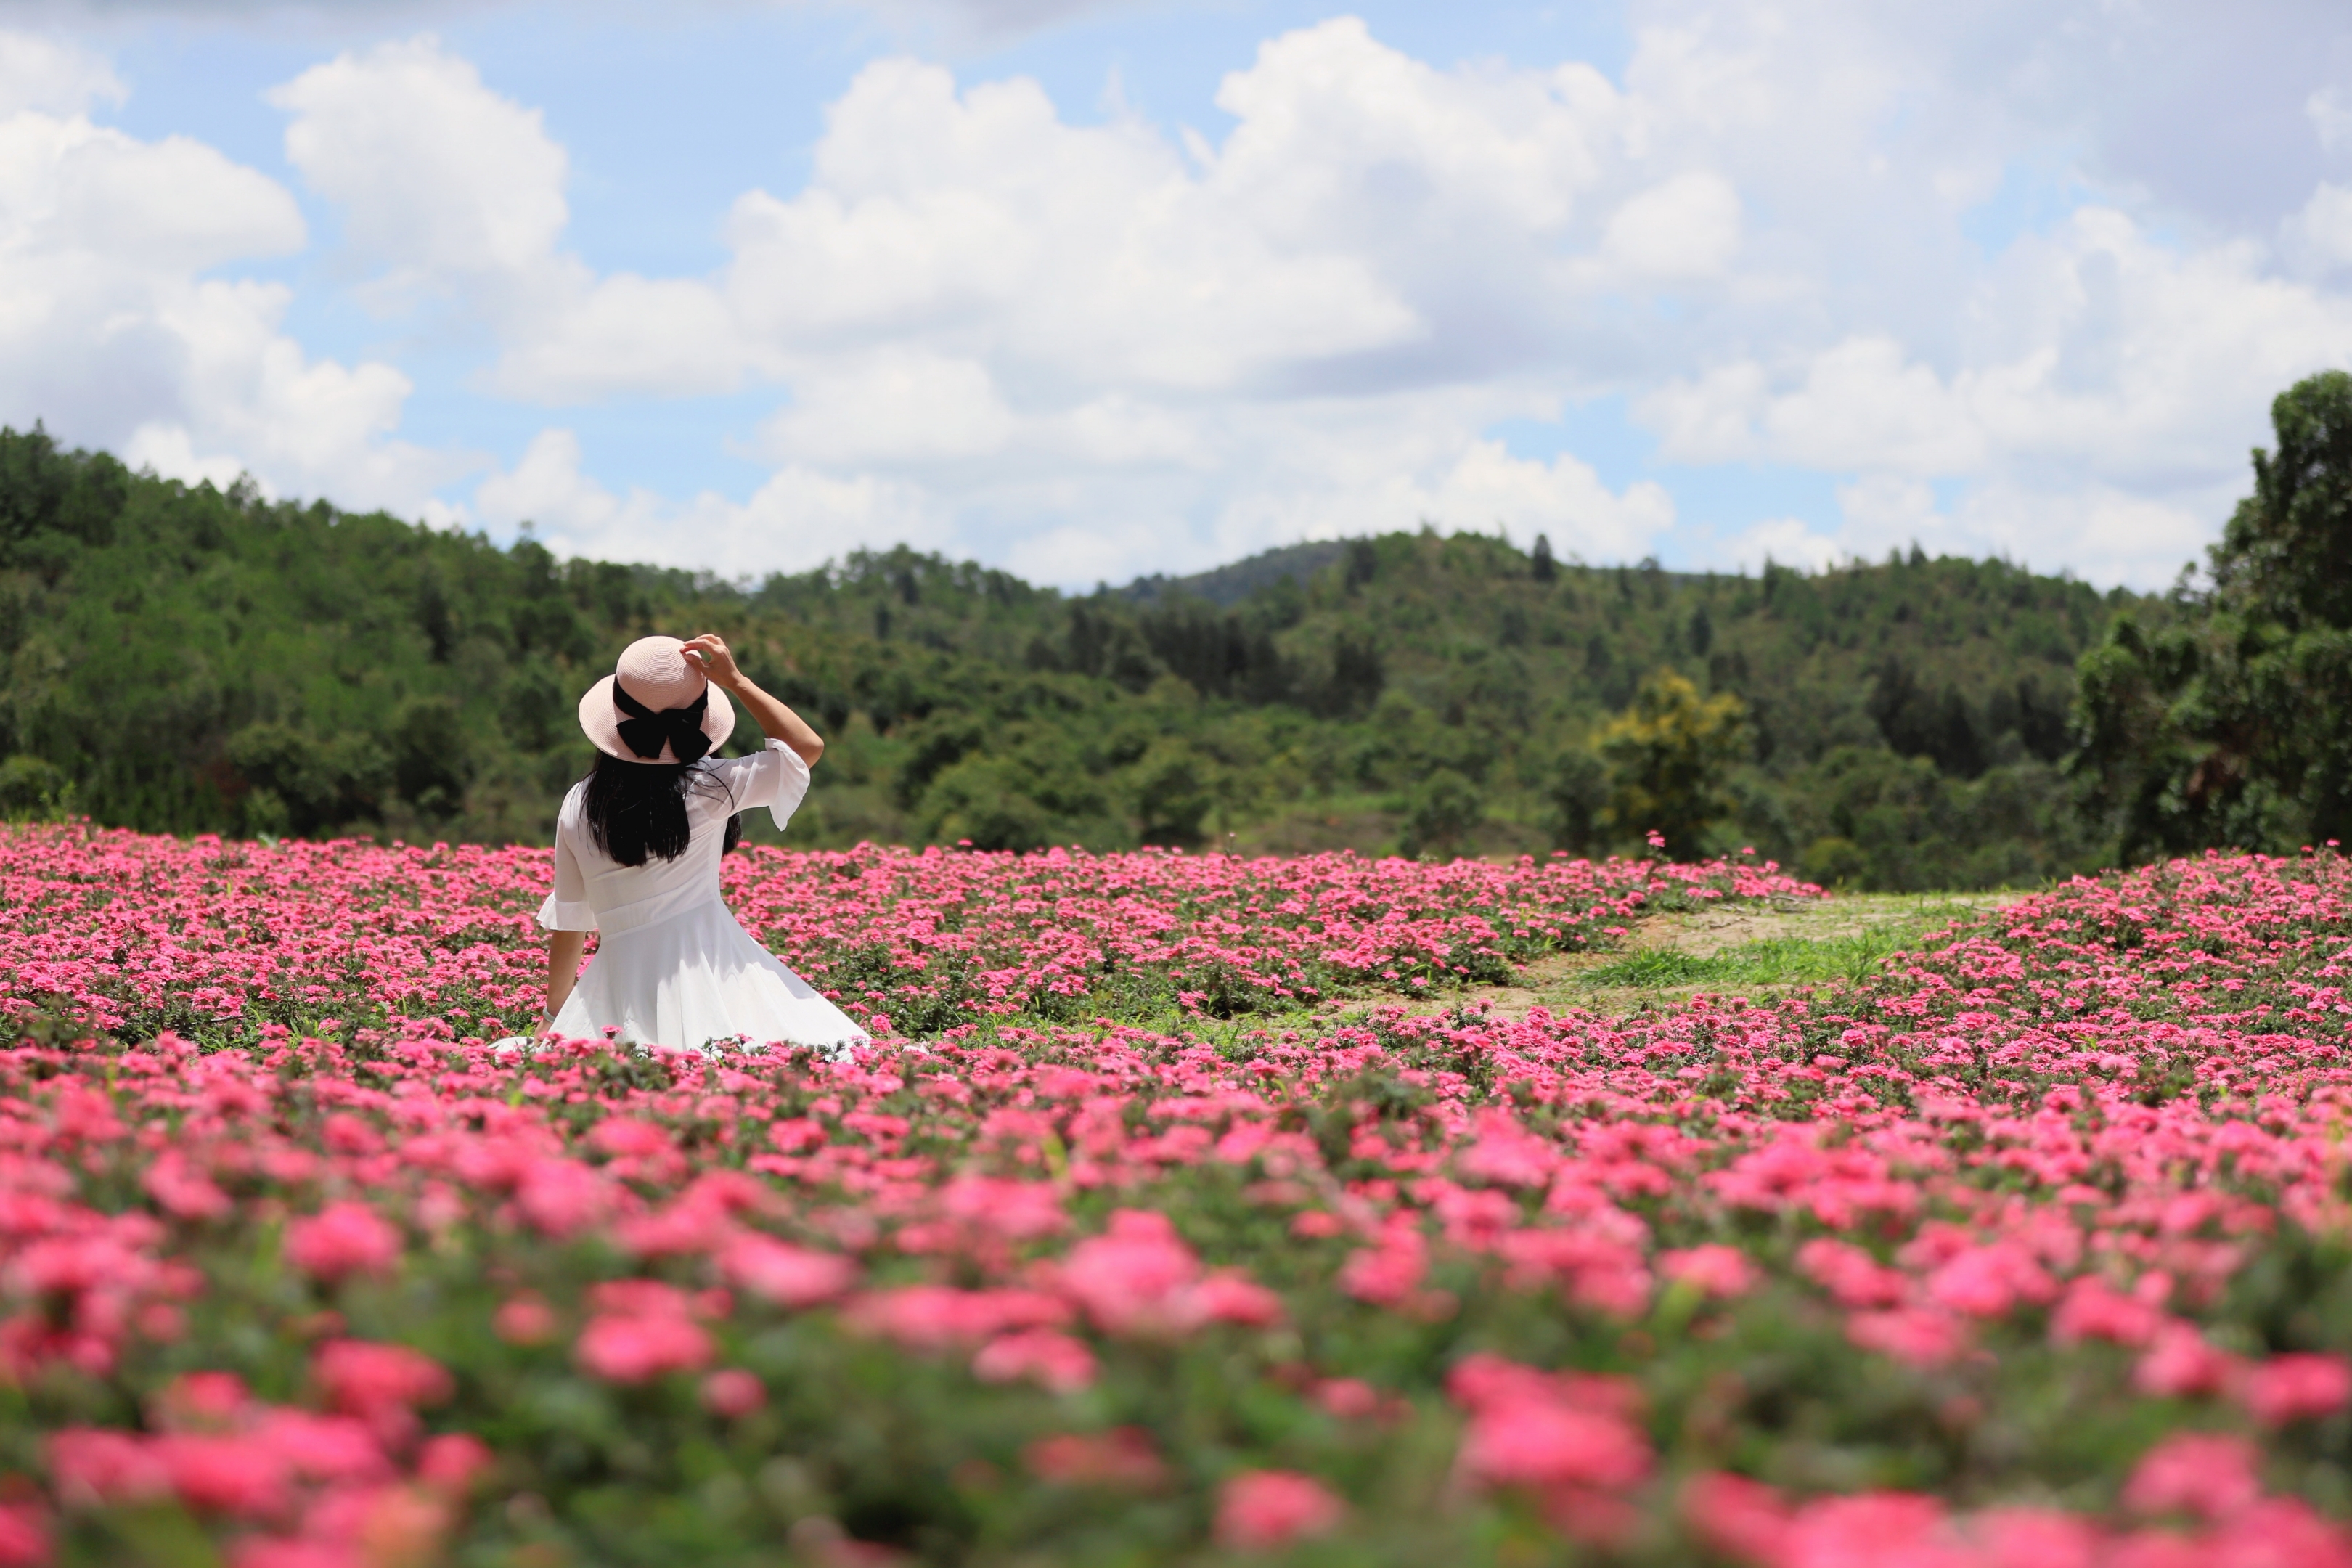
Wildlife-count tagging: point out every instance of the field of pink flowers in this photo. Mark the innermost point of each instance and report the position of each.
(211, 940)
(1178, 1240)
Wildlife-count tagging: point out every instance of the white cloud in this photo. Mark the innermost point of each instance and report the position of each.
(2318, 237)
(1783, 540)
(1086, 252)
(113, 333)
(1487, 487)
(1333, 469)
(170, 452)
(960, 24)
(52, 75)
(797, 520)
(2330, 111)
(2102, 374)
(1340, 136)
(1885, 511)
(1981, 254)
(1860, 402)
(972, 294)
(1687, 227)
(895, 408)
(2111, 534)
(444, 184)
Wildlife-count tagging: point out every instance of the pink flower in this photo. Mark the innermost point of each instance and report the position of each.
(1259, 1510)
(181, 1191)
(346, 1238)
(1130, 1279)
(201, 1402)
(1052, 1360)
(93, 1467)
(24, 1537)
(1876, 1530)
(87, 1115)
(561, 1197)
(1389, 1274)
(2036, 1538)
(1736, 1517)
(1541, 1444)
(334, 1449)
(282, 1552)
(1850, 1275)
(2157, 1549)
(2094, 1310)
(1348, 1398)
(2206, 1474)
(1916, 1337)
(789, 1276)
(730, 1393)
(1226, 1297)
(2180, 1362)
(451, 1462)
(387, 1524)
(524, 1320)
(361, 1377)
(2297, 1387)
(1506, 1153)
(1987, 1281)
(625, 1135)
(635, 1349)
(1482, 1380)
(640, 1299)
(1566, 1436)
(934, 1317)
(1712, 1270)
(1122, 1458)
(241, 1476)
(2277, 1532)
(680, 1229)
(1016, 1211)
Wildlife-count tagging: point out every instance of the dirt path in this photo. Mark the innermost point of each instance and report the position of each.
(1853, 922)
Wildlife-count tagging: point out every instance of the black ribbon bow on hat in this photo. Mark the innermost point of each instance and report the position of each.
(643, 731)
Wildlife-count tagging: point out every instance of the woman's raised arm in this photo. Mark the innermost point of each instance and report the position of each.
(776, 720)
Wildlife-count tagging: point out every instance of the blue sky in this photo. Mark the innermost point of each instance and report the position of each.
(1097, 291)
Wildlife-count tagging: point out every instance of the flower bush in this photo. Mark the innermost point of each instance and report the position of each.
(2030, 1251)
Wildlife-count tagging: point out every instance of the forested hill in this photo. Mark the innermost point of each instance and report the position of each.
(198, 661)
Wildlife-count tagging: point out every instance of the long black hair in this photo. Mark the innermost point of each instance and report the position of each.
(636, 811)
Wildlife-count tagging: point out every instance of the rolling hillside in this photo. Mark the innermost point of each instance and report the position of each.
(190, 660)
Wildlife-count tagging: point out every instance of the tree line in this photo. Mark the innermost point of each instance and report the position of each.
(190, 659)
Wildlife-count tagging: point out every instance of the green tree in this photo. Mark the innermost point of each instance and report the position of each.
(1172, 795)
(2225, 717)
(1442, 812)
(1669, 757)
(33, 789)
(1580, 800)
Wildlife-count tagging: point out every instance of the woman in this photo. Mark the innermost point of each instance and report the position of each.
(638, 846)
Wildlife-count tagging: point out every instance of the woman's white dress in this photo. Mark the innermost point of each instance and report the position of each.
(672, 966)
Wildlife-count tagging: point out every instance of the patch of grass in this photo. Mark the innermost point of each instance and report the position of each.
(1777, 961)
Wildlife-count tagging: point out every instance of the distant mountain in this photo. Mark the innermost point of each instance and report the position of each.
(1226, 587)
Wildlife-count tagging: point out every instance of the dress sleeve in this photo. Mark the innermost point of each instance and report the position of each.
(566, 908)
(774, 777)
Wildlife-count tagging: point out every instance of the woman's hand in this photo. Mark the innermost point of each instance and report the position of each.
(718, 664)
(776, 721)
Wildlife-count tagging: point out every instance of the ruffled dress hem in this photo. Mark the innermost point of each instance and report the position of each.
(694, 980)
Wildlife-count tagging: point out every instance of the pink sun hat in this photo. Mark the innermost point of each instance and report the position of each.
(657, 707)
